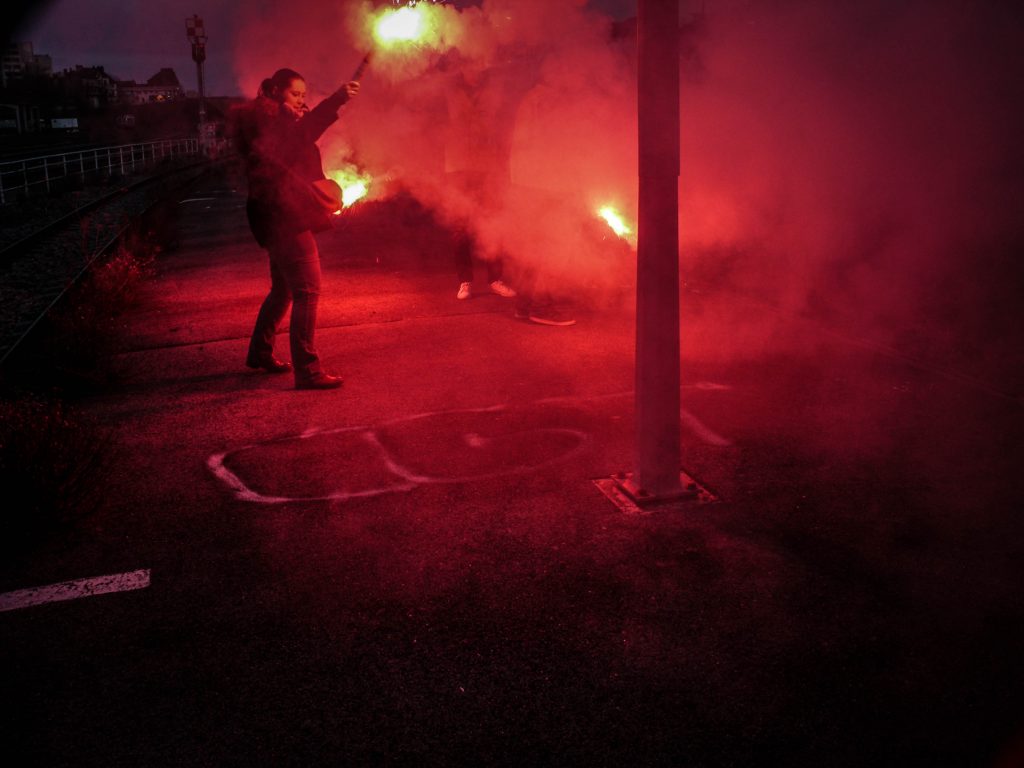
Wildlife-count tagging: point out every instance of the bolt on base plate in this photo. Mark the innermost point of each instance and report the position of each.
(623, 491)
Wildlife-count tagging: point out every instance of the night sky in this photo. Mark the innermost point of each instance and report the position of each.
(133, 40)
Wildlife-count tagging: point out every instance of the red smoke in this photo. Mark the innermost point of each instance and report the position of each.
(854, 161)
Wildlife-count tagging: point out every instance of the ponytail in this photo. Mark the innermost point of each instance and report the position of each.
(278, 82)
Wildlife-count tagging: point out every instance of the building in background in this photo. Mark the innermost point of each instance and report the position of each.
(26, 87)
(88, 104)
(161, 87)
(21, 61)
(88, 88)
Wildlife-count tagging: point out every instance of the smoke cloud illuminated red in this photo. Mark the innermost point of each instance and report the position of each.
(856, 161)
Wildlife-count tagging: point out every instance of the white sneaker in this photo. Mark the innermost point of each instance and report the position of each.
(465, 291)
(501, 289)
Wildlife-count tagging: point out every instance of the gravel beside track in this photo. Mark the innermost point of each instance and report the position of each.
(45, 265)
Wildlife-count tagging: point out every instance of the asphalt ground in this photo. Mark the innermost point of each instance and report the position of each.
(420, 568)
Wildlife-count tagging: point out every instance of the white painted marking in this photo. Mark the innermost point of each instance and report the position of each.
(708, 385)
(233, 481)
(430, 414)
(406, 479)
(700, 429)
(396, 469)
(72, 590)
(685, 417)
(559, 399)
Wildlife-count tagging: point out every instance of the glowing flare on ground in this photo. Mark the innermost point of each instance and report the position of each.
(354, 184)
(615, 221)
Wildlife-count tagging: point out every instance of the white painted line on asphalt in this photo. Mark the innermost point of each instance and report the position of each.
(702, 431)
(405, 478)
(72, 590)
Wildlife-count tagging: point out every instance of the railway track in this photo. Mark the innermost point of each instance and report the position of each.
(40, 267)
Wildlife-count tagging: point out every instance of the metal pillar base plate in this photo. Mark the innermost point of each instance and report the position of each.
(623, 491)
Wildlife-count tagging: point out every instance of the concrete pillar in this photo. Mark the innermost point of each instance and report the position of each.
(657, 300)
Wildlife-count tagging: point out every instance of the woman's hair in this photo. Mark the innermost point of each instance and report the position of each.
(277, 83)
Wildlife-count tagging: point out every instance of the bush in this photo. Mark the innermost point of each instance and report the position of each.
(112, 286)
(75, 346)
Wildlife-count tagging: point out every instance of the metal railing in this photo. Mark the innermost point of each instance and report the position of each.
(20, 179)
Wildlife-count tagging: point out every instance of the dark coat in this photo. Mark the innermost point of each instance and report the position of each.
(281, 162)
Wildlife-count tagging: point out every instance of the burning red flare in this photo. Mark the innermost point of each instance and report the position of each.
(355, 185)
(617, 223)
(415, 23)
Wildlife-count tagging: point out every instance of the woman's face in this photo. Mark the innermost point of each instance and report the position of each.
(293, 98)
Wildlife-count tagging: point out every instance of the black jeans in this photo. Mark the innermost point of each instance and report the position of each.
(465, 245)
(294, 282)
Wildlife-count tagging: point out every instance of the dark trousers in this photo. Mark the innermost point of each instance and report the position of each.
(464, 247)
(294, 282)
